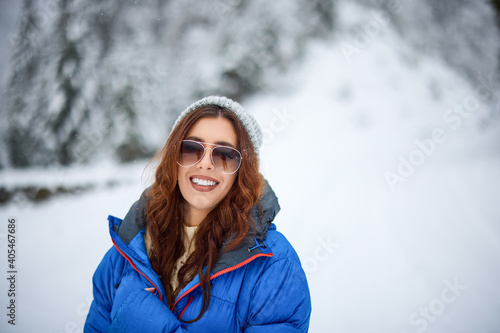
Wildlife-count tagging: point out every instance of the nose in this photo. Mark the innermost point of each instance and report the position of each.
(206, 161)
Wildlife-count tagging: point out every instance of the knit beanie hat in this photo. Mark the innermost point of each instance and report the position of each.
(246, 119)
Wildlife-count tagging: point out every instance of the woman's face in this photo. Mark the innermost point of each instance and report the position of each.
(199, 197)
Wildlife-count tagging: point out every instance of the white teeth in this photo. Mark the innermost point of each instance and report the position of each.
(203, 182)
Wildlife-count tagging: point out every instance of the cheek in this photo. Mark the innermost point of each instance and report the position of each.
(182, 180)
(228, 183)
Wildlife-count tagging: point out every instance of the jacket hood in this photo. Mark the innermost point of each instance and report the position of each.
(263, 215)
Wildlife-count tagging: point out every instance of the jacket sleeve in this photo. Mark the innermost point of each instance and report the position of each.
(144, 312)
(105, 277)
(280, 301)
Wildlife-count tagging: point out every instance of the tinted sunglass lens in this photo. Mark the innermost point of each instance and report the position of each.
(190, 153)
(226, 159)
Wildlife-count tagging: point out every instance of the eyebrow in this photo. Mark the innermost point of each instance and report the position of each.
(222, 143)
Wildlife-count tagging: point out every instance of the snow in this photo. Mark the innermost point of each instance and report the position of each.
(418, 254)
(378, 255)
(59, 246)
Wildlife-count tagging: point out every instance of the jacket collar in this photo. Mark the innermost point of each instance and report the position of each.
(262, 214)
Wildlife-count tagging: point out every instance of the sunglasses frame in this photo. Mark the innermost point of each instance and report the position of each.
(211, 155)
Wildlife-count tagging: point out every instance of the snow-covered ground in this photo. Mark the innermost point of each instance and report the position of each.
(388, 191)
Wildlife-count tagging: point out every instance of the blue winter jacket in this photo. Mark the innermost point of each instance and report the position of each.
(258, 287)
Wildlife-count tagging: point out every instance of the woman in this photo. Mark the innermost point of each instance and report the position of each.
(198, 252)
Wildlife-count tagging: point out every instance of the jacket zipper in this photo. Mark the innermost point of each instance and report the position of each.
(224, 271)
(137, 269)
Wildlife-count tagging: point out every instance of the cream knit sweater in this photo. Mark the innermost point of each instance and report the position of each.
(189, 233)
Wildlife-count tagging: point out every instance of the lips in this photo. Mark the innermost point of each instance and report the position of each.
(203, 183)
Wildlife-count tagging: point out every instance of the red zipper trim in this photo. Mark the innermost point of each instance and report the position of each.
(185, 308)
(227, 270)
(137, 269)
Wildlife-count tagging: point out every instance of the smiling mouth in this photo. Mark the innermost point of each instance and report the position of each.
(203, 182)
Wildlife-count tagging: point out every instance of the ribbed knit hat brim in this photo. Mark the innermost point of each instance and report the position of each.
(246, 119)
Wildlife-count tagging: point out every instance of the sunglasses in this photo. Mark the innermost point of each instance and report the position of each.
(226, 159)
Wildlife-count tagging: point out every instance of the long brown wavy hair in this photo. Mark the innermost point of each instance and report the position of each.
(229, 221)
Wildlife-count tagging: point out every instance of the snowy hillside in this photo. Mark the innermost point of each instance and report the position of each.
(385, 219)
(385, 162)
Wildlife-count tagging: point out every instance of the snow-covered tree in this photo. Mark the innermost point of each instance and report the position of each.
(107, 78)
(17, 140)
